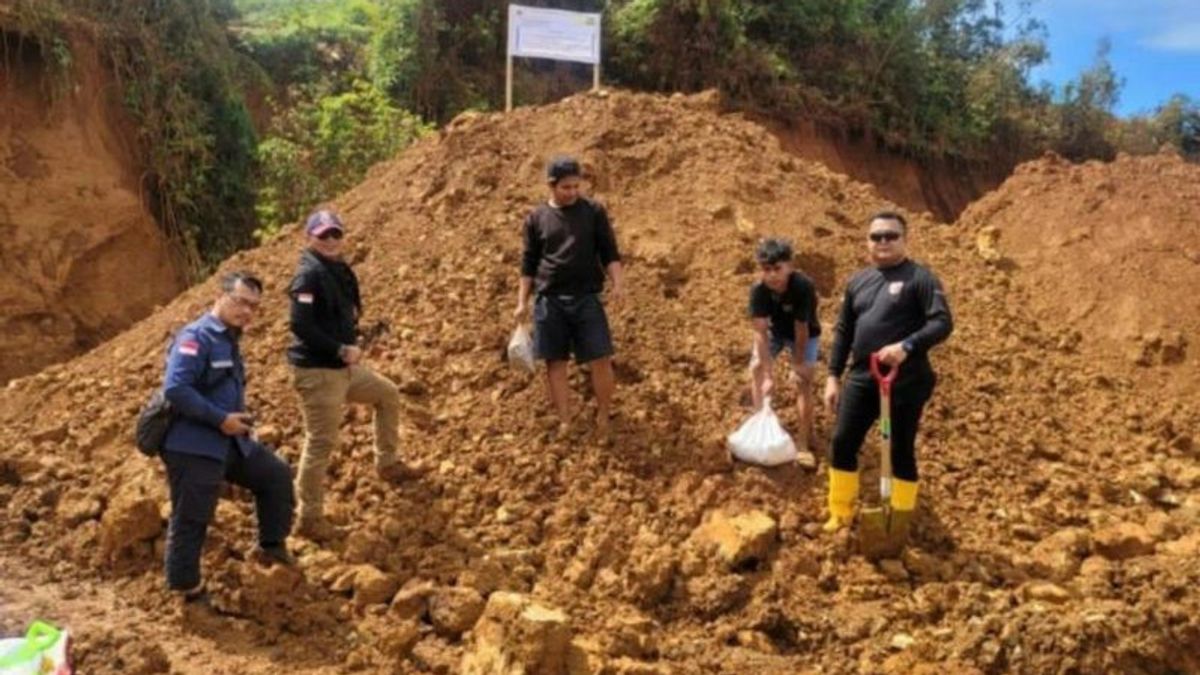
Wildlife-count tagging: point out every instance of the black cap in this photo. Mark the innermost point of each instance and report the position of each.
(562, 167)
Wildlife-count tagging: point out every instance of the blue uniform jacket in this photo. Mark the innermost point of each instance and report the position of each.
(205, 381)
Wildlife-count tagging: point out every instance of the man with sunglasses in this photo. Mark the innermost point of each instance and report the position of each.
(897, 310)
(327, 370)
(209, 440)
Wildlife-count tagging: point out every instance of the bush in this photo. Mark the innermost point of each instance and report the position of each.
(324, 144)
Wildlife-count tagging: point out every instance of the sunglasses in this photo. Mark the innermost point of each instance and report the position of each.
(330, 234)
(885, 235)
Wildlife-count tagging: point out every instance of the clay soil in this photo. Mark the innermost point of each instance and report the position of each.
(1060, 522)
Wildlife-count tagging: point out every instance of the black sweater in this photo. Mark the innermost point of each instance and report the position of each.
(567, 248)
(889, 305)
(325, 309)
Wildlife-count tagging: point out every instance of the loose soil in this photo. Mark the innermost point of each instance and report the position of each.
(1060, 522)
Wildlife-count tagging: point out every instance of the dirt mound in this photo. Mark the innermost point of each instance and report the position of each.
(82, 257)
(1050, 540)
(1111, 250)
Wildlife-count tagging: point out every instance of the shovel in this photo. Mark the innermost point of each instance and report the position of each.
(882, 533)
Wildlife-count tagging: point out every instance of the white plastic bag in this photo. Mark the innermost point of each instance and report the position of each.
(762, 440)
(43, 651)
(520, 349)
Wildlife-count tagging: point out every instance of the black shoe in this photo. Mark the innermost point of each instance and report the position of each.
(274, 554)
(197, 596)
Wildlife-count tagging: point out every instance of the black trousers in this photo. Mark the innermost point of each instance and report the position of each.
(195, 484)
(859, 408)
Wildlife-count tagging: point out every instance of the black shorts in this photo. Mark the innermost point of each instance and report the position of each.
(566, 324)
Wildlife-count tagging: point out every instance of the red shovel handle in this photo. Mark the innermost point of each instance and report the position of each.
(885, 381)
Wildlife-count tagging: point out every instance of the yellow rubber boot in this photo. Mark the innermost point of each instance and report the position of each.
(904, 495)
(843, 491)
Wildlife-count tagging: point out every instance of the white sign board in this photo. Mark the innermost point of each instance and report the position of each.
(553, 34)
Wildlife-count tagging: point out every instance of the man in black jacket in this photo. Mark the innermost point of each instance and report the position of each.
(895, 309)
(569, 246)
(328, 371)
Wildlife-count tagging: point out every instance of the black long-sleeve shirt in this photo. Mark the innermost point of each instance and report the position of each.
(889, 305)
(567, 248)
(324, 314)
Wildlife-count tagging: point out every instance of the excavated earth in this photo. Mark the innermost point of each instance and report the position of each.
(1060, 523)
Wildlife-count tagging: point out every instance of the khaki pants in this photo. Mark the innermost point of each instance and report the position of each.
(323, 392)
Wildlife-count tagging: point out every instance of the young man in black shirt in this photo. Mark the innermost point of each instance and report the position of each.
(569, 246)
(783, 311)
(897, 310)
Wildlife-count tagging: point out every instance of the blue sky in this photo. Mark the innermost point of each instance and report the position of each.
(1155, 45)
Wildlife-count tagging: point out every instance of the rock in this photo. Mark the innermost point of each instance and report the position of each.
(585, 656)
(650, 577)
(1187, 547)
(893, 569)
(901, 641)
(1123, 541)
(713, 595)
(517, 635)
(365, 547)
(75, 509)
(453, 611)
(393, 529)
(412, 602)
(1160, 527)
(52, 434)
(632, 635)
(398, 640)
(129, 519)
(1044, 591)
(921, 564)
(738, 539)
(756, 640)
(1095, 577)
(494, 572)
(1057, 557)
(373, 586)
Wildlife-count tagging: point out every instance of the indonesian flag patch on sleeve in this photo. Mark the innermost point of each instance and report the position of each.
(189, 347)
(304, 298)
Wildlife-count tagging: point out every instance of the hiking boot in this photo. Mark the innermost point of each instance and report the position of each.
(193, 596)
(317, 529)
(274, 554)
(399, 472)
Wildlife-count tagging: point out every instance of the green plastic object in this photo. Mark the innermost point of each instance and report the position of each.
(40, 637)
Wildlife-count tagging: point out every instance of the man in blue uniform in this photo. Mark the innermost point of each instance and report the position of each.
(209, 440)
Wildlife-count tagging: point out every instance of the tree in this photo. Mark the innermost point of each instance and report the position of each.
(1085, 111)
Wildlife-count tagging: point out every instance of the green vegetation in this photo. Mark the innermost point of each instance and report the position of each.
(324, 145)
(338, 85)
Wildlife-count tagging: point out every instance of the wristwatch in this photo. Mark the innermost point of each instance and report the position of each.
(908, 346)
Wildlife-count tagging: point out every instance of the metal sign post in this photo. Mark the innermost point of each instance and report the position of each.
(539, 33)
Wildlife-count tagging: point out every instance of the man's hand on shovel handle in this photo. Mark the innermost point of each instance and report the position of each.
(893, 354)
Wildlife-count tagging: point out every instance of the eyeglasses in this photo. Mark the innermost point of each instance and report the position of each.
(884, 235)
(244, 302)
(330, 234)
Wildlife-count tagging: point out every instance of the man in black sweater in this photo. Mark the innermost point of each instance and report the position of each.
(569, 245)
(327, 370)
(895, 309)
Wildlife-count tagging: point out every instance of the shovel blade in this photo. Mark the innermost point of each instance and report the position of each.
(882, 532)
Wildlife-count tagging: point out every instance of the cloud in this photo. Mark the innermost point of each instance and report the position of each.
(1178, 38)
